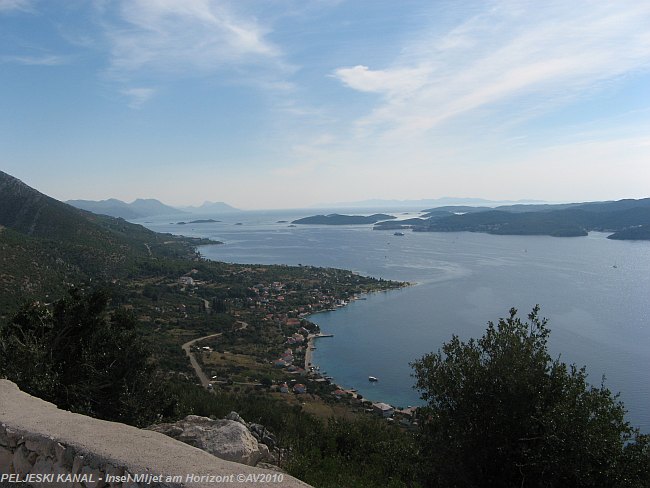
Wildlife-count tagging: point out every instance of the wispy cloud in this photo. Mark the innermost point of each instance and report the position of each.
(138, 96)
(549, 53)
(9, 5)
(184, 37)
(47, 60)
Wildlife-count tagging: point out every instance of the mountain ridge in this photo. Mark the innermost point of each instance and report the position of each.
(139, 208)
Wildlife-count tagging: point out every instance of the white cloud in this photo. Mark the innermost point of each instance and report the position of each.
(549, 53)
(184, 37)
(138, 96)
(47, 60)
(394, 81)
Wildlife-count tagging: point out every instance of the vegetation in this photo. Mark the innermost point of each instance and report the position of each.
(501, 412)
(82, 358)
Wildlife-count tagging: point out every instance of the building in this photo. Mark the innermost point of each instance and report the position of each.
(383, 409)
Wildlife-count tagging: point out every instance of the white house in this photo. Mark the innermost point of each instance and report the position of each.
(383, 409)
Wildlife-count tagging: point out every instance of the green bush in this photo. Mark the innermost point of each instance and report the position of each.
(82, 358)
(501, 412)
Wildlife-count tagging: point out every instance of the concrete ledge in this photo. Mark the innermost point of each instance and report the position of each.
(37, 437)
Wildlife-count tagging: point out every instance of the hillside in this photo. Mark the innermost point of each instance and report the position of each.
(47, 244)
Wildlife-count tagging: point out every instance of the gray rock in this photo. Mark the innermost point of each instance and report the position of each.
(6, 456)
(21, 461)
(236, 417)
(269, 440)
(226, 439)
(43, 465)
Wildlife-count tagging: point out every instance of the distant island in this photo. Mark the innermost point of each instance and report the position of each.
(338, 219)
(199, 221)
(146, 207)
(625, 219)
(207, 207)
(379, 203)
(137, 209)
(400, 224)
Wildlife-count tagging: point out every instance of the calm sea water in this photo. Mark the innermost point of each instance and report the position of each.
(594, 291)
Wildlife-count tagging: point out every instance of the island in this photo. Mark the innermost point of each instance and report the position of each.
(339, 219)
(625, 219)
(199, 221)
(400, 224)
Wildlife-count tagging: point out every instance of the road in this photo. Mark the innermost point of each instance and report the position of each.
(187, 347)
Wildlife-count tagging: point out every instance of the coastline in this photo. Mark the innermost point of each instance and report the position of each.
(349, 389)
(310, 344)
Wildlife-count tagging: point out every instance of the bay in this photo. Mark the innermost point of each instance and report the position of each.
(594, 291)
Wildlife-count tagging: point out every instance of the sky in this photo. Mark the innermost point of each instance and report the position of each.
(295, 103)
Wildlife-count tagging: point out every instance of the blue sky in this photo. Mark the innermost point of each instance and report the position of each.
(282, 104)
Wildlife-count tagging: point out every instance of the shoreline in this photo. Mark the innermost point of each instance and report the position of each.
(310, 344)
(351, 389)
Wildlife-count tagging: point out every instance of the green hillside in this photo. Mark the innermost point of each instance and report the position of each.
(46, 245)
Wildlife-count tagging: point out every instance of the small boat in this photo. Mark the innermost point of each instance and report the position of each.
(372, 378)
(398, 234)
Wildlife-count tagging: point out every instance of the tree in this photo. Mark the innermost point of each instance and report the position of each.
(82, 358)
(500, 412)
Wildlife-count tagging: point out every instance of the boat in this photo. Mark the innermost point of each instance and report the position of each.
(398, 234)
(372, 378)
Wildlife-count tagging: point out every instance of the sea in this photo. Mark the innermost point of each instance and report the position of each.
(595, 293)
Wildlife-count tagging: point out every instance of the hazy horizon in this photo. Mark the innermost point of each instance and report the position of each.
(278, 105)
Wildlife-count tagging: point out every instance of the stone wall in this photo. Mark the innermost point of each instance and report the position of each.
(45, 446)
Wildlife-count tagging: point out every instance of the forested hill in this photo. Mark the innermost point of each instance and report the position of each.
(625, 219)
(46, 244)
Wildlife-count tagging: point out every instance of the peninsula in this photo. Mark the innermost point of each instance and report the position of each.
(625, 219)
(339, 219)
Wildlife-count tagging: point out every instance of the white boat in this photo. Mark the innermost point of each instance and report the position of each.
(372, 378)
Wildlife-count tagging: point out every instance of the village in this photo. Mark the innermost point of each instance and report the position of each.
(269, 345)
